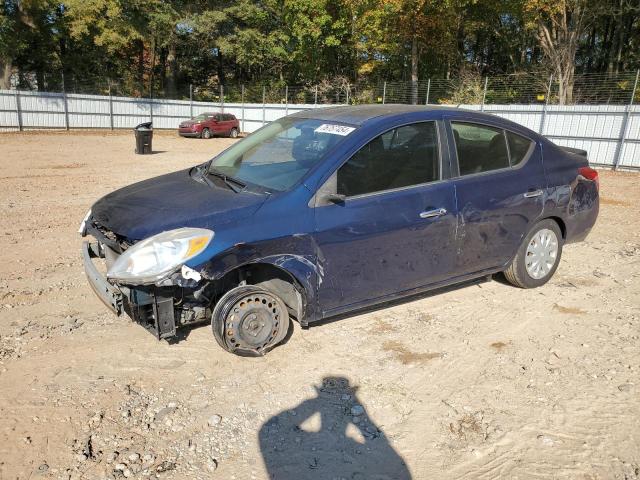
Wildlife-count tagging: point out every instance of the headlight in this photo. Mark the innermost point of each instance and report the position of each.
(150, 260)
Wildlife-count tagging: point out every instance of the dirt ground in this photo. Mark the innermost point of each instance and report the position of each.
(479, 381)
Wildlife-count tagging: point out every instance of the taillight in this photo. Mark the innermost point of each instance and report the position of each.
(590, 174)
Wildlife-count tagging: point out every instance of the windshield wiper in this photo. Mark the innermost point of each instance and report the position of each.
(230, 182)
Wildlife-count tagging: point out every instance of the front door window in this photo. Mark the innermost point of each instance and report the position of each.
(398, 158)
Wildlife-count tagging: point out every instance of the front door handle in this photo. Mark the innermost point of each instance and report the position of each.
(438, 212)
(533, 193)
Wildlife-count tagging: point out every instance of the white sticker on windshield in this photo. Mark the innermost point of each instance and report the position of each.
(334, 129)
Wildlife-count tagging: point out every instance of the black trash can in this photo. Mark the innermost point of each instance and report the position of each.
(144, 138)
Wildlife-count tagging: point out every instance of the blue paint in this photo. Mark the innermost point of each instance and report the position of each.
(375, 247)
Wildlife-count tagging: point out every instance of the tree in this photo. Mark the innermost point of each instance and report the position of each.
(392, 31)
(247, 32)
(162, 46)
(27, 40)
(559, 26)
(319, 37)
(7, 44)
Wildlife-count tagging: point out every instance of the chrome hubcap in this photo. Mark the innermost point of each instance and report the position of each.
(542, 253)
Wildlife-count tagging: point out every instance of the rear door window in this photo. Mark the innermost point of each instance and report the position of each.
(401, 157)
(480, 148)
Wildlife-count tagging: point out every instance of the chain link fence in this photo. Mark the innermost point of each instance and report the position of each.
(522, 88)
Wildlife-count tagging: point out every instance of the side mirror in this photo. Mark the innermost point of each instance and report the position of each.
(335, 198)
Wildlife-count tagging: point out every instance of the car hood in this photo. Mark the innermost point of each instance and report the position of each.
(171, 201)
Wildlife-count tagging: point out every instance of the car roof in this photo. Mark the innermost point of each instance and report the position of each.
(357, 115)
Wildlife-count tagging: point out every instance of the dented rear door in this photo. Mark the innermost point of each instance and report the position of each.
(496, 208)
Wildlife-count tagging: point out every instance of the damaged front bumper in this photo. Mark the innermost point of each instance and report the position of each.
(111, 296)
(150, 306)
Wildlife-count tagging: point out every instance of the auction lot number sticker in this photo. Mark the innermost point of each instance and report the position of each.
(334, 129)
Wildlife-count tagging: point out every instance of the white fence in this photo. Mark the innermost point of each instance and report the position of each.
(610, 133)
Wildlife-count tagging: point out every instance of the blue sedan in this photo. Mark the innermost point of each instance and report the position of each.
(328, 211)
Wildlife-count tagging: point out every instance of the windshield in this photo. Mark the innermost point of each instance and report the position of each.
(202, 117)
(281, 153)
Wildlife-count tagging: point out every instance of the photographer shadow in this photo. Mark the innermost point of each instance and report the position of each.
(329, 436)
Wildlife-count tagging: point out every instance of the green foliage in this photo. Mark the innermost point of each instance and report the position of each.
(469, 89)
(160, 47)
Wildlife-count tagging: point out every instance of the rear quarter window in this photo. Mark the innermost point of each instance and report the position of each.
(519, 147)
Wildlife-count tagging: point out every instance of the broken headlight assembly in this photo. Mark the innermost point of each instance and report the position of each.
(150, 260)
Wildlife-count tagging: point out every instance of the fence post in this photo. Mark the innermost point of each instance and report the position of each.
(428, 91)
(315, 98)
(64, 101)
(66, 110)
(286, 100)
(348, 88)
(151, 99)
(242, 114)
(625, 125)
(19, 110)
(191, 100)
(484, 93)
(110, 108)
(544, 108)
(384, 92)
(221, 98)
(264, 101)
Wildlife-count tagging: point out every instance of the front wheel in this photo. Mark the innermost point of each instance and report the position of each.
(249, 321)
(206, 133)
(538, 257)
(233, 133)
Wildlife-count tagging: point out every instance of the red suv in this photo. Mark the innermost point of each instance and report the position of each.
(207, 125)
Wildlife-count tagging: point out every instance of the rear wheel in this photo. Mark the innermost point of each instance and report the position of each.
(538, 257)
(233, 133)
(249, 321)
(206, 133)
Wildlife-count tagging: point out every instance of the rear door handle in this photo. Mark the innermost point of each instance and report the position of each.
(533, 193)
(438, 212)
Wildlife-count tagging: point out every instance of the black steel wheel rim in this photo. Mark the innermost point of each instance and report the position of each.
(253, 322)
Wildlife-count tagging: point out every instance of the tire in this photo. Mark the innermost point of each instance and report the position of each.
(206, 134)
(524, 271)
(249, 321)
(233, 133)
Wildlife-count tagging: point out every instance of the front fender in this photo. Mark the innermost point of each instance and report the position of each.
(301, 265)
